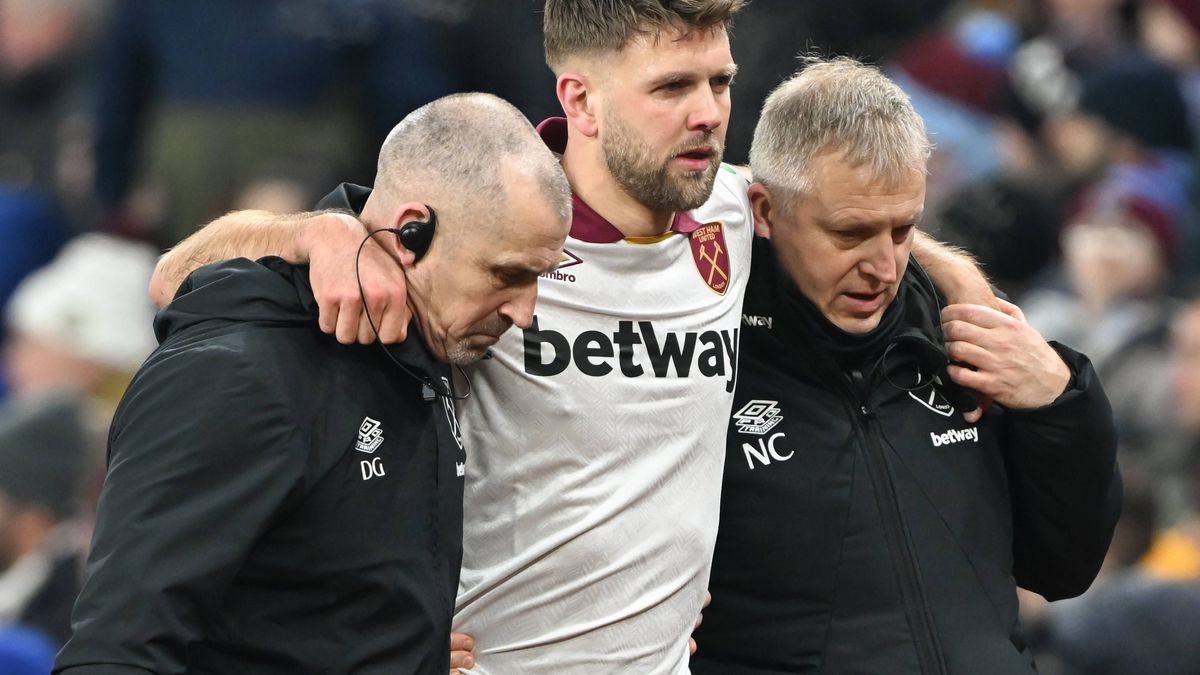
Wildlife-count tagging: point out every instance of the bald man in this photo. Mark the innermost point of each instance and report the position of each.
(277, 502)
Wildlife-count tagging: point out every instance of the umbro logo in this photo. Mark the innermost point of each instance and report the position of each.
(757, 417)
(568, 259)
(370, 436)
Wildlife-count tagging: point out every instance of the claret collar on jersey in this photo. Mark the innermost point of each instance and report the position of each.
(586, 224)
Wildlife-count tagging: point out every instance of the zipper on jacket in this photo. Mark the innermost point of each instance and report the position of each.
(916, 607)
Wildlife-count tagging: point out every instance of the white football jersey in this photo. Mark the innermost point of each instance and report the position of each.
(597, 439)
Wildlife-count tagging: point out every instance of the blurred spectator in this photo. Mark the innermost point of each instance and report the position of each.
(1091, 31)
(1129, 142)
(1009, 224)
(200, 98)
(1142, 618)
(1176, 553)
(1129, 622)
(42, 462)
(81, 326)
(1094, 100)
(82, 323)
(1136, 627)
(1186, 372)
(765, 40)
(25, 651)
(874, 28)
(45, 80)
(1170, 31)
(32, 229)
(496, 47)
(955, 76)
(1130, 110)
(1117, 252)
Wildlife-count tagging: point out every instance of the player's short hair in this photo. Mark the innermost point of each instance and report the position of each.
(840, 105)
(461, 147)
(572, 27)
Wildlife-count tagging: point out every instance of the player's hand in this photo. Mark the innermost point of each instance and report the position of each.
(462, 651)
(962, 282)
(331, 242)
(692, 646)
(1012, 363)
(971, 287)
(976, 414)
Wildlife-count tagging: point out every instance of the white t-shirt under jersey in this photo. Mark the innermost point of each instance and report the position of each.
(597, 439)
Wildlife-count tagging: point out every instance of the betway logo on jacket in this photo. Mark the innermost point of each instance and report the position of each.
(954, 436)
(596, 354)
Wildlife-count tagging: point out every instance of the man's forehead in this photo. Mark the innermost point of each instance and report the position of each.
(521, 250)
(892, 209)
(528, 217)
(672, 47)
(833, 175)
(883, 208)
(678, 35)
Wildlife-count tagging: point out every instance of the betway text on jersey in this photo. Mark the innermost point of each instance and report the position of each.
(630, 349)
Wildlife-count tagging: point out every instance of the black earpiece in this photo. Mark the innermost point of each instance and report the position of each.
(417, 236)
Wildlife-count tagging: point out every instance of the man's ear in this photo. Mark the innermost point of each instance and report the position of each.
(404, 214)
(578, 100)
(760, 206)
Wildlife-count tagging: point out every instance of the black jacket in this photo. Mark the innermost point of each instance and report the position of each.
(276, 502)
(867, 529)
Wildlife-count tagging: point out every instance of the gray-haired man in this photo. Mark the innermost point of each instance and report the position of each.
(867, 526)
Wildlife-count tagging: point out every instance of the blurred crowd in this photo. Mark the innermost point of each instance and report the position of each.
(1066, 161)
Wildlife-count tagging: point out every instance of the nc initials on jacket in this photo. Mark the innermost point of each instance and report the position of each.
(765, 451)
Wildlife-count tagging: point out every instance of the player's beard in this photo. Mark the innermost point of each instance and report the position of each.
(649, 179)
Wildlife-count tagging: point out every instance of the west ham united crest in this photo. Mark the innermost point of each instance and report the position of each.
(711, 256)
